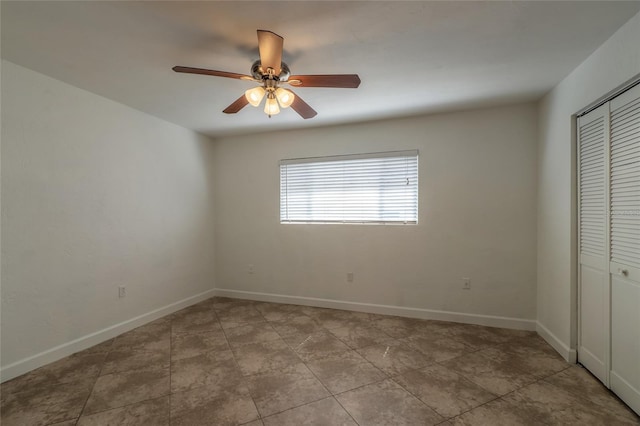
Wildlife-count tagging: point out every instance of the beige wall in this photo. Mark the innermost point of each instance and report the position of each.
(94, 195)
(477, 217)
(614, 63)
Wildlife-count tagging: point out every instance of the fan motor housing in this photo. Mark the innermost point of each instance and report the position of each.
(260, 74)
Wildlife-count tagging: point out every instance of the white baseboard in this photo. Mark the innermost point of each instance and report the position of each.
(487, 320)
(27, 364)
(625, 390)
(570, 355)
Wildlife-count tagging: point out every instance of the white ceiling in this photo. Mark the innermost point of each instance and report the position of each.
(412, 57)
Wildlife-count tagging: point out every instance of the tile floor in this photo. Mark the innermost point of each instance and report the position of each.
(235, 362)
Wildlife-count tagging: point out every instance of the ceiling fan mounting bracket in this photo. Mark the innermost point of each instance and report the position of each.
(260, 73)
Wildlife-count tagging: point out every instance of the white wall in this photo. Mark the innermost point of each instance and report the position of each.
(477, 217)
(94, 195)
(614, 63)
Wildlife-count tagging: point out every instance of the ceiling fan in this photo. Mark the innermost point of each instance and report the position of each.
(272, 73)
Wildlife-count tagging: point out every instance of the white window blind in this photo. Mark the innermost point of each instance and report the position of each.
(363, 188)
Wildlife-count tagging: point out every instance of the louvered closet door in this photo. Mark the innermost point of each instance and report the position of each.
(625, 246)
(593, 138)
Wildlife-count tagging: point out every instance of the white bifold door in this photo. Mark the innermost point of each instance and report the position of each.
(609, 244)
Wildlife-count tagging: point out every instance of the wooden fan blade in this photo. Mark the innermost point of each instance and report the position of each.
(302, 108)
(215, 73)
(239, 103)
(270, 45)
(330, 80)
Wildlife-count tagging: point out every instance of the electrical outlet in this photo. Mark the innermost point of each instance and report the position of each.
(122, 291)
(349, 277)
(250, 269)
(466, 283)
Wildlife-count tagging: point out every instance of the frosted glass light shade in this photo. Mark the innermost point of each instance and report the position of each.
(285, 97)
(255, 95)
(271, 107)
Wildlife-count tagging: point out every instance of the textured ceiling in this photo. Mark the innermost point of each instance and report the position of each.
(412, 57)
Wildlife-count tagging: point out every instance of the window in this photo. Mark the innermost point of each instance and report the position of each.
(364, 188)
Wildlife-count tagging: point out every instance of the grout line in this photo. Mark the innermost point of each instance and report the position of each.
(346, 411)
(126, 405)
(361, 386)
(419, 399)
(111, 349)
(297, 406)
(243, 377)
(104, 360)
(331, 395)
(500, 397)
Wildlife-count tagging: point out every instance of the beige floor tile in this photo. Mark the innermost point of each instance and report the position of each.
(534, 361)
(579, 382)
(319, 345)
(213, 405)
(65, 423)
(280, 390)
(397, 327)
(365, 318)
(496, 413)
(195, 322)
(100, 348)
(308, 310)
(326, 412)
(512, 334)
(239, 315)
(359, 336)
(297, 328)
(534, 342)
(204, 305)
(204, 369)
(39, 405)
(393, 359)
(554, 406)
(152, 336)
(125, 359)
(496, 376)
(345, 371)
(220, 304)
(476, 337)
(275, 311)
(69, 369)
(189, 345)
(154, 412)
(119, 389)
(433, 330)
(436, 348)
(263, 357)
(334, 318)
(252, 333)
(445, 391)
(386, 403)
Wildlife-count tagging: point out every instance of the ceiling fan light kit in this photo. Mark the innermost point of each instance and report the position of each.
(255, 95)
(271, 72)
(271, 105)
(285, 97)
